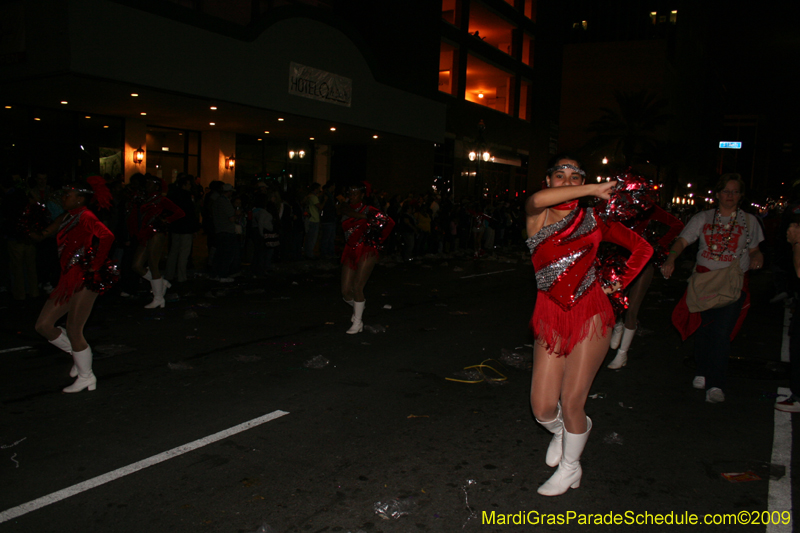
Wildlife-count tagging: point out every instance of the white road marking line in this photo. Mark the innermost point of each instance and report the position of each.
(488, 273)
(779, 498)
(17, 349)
(130, 469)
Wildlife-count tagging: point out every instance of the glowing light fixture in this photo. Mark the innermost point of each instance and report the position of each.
(134, 94)
(280, 120)
(333, 129)
(212, 123)
(138, 155)
(64, 102)
(230, 162)
(213, 108)
(605, 160)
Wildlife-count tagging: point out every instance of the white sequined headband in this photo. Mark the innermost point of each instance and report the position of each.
(550, 171)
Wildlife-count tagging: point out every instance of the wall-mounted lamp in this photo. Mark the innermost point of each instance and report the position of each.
(230, 162)
(486, 156)
(301, 154)
(138, 155)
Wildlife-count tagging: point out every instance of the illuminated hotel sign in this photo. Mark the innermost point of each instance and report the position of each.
(730, 144)
(319, 85)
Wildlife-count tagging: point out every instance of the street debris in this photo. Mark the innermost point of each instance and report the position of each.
(248, 358)
(472, 512)
(253, 291)
(317, 362)
(613, 438)
(110, 350)
(180, 365)
(740, 477)
(265, 528)
(623, 406)
(598, 396)
(375, 329)
(516, 359)
(393, 509)
(476, 374)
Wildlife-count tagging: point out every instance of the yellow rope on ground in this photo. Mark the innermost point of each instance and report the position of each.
(480, 368)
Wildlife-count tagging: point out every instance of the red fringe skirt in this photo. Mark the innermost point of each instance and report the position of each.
(560, 331)
(70, 282)
(353, 254)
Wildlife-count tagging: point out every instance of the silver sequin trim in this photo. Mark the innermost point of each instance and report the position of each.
(548, 231)
(588, 279)
(548, 274)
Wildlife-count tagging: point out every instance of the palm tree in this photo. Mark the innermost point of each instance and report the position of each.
(631, 131)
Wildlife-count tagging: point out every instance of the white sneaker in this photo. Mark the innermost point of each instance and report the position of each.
(715, 395)
(788, 406)
(779, 297)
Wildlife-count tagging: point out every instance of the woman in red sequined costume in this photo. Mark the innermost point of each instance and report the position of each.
(573, 316)
(149, 224)
(646, 226)
(365, 228)
(79, 230)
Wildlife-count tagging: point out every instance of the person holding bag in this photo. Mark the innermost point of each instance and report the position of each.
(717, 298)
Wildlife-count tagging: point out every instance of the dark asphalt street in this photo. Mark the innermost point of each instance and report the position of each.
(380, 422)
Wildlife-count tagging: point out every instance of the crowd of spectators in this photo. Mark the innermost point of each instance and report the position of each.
(252, 229)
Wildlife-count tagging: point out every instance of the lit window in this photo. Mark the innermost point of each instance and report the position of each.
(490, 81)
(449, 11)
(673, 16)
(527, 49)
(653, 17)
(489, 27)
(584, 24)
(446, 67)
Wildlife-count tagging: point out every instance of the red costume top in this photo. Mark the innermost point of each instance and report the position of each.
(563, 254)
(145, 218)
(76, 236)
(363, 236)
(644, 226)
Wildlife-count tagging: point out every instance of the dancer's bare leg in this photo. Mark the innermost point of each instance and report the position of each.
(155, 249)
(567, 378)
(363, 272)
(348, 282)
(49, 315)
(636, 296)
(80, 305)
(581, 368)
(139, 260)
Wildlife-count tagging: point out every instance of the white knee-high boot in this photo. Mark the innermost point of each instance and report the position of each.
(62, 343)
(358, 324)
(350, 303)
(158, 288)
(621, 359)
(616, 335)
(86, 379)
(556, 427)
(569, 470)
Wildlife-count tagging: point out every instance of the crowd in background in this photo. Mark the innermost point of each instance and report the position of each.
(252, 229)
